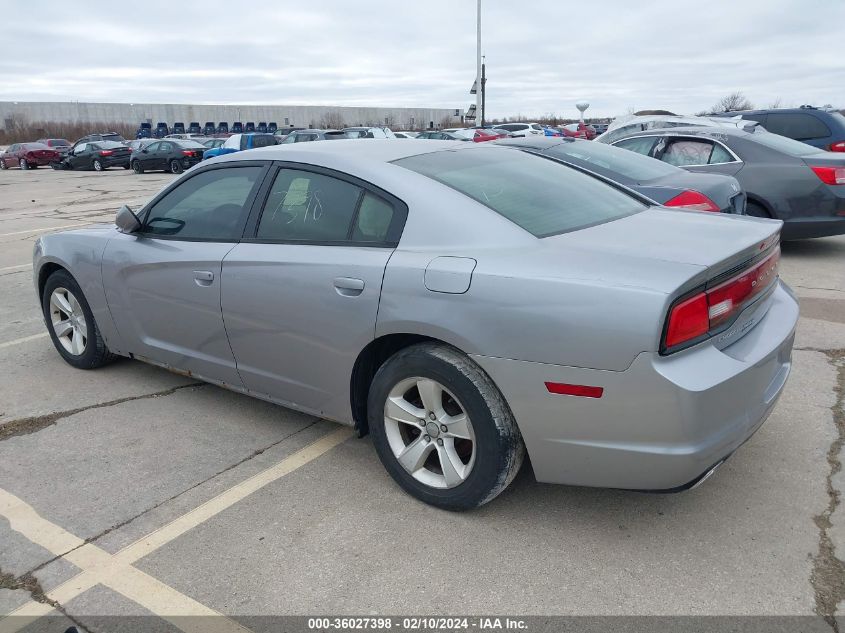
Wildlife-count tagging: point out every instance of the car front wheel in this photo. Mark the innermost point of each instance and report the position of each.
(442, 429)
(71, 323)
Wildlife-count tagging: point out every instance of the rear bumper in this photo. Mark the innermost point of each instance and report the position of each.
(662, 423)
(803, 228)
(115, 161)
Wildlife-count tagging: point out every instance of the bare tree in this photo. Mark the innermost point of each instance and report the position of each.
(777, 103)
(733, 101)
(332, 120)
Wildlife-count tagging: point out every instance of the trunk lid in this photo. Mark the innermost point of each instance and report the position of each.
(715, 241)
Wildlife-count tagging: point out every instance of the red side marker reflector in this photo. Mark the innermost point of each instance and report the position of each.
(563, 389)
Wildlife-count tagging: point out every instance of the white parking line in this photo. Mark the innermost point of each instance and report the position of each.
(116, 572)
(43, 230)
(25, 339)
(18, 267)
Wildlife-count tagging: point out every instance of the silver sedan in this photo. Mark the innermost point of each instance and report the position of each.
(464, 304)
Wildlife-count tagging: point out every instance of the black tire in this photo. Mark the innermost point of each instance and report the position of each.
(136, 167)
(97, 165)
(498, 442)
(756, 210)
(126, 166)
(176, 167)
(95, 354)
(23, 164)
(3, 164)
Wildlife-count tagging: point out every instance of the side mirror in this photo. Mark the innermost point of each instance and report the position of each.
(126, 220)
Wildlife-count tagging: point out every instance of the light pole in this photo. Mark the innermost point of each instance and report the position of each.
(478, 67)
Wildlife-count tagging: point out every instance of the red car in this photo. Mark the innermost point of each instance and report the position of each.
(28, 156)
(579, 130)
(476, 135)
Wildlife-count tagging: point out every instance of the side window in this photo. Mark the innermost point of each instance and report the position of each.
(720, 155)
(263, 141)
(245, 142)
(309, 207)
(638, 144)
(81, 147)
(211, 205)
(153, 147)
(166, 147)
(687, 152)
(374, 217)
(797, 126)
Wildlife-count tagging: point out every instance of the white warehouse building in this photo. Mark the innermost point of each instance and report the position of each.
(12, 112)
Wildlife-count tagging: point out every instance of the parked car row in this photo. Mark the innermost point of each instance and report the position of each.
(729, 164)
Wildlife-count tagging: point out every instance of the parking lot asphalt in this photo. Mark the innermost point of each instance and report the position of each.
(130, 490)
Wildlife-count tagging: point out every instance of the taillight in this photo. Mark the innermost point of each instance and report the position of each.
(692, 200)
(713, 309)
(187, 152)
(830, 175)
(837, 147)
(106, 152)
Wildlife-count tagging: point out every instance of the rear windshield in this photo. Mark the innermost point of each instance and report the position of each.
(187, 143)
(629, 164)
(784, 144)
(540, 195)
(34, 146)
(109, 144)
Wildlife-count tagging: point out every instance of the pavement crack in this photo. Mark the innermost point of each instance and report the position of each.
(29, 583)
(26, 426)
(828, 575)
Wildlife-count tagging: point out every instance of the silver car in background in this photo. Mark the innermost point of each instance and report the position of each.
(462, 303)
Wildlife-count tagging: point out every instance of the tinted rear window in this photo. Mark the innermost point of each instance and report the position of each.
(629, 164)
(540, 195)
(796, 125)
(109, 144)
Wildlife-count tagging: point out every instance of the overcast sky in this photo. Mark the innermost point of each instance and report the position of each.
(542, 55)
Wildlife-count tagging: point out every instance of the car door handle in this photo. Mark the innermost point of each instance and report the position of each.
(203, 277)
(348, 286)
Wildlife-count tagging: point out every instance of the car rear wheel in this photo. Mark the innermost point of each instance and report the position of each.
(98, 166)
(756, 210)
(136, 167)
(442, 429)
(23, 164)
(71, 323)
(3, 164)
(176, 167)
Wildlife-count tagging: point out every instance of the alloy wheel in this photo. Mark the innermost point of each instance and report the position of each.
(429, 432)
(68, 321)
(23, 164)
(98, 166)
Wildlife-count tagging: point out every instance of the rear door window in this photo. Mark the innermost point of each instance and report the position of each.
(796, 125)
(685, 152)
(720, 155)
(305, 206)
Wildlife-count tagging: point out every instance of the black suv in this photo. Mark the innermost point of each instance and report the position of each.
(819, 127)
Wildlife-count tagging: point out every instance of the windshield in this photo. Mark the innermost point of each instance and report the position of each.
(784, 144)
(629, 164)
(540, 195)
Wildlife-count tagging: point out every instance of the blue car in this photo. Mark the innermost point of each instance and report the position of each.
(238, 142)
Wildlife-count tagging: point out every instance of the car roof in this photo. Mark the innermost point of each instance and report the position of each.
(343, 151)
(691, 130)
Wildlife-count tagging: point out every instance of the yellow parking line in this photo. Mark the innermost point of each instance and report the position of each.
(143, 546)
(25, 339)
(117, 573)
